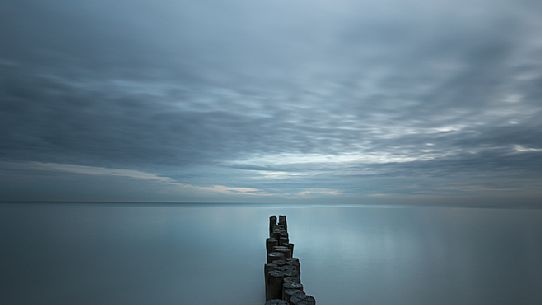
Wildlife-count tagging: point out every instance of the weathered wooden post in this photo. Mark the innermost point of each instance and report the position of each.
(282, 221)
(274, 283)
(272, 224)
(274, 256)
(270, 243)
(284, 250)
(289, 289)
(302, 299)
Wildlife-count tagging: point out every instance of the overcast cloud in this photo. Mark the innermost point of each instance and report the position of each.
(271, 101)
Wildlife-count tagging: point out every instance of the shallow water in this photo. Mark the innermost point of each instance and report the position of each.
(143, 254)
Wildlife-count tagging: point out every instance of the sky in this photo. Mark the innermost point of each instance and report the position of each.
(339, 102)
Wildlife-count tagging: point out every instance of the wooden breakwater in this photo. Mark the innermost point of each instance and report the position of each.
(283, 271)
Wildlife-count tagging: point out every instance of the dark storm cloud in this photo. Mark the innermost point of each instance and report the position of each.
(305, 100)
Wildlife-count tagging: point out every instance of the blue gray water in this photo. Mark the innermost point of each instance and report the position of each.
(124, 255)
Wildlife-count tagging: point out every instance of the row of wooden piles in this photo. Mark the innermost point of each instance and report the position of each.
(283, 271)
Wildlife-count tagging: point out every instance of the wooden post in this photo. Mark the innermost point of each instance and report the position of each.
(272, 224)
(302, 299)
(274, 285)
(270, 243)
(284, 250)
(282, 221)
(289, 289)
(273, 256)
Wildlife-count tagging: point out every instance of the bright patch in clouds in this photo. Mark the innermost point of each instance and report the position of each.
(319, 192)
(93, 170)
(235, 190)
(140, 175)
(364, 158)
(521, 149)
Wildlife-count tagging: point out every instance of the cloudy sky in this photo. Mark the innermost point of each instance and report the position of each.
(343, 101)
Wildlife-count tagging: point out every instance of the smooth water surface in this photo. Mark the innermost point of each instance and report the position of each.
(143, 254)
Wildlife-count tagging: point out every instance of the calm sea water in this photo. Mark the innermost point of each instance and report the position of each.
(128, 255)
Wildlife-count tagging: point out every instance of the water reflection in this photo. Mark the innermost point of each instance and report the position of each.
(83, 254)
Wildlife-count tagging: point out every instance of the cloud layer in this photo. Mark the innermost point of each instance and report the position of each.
(272, 101)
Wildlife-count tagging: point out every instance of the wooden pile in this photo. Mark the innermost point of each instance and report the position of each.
(282, 271)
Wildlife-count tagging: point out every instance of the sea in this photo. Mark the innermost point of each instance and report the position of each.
(213, 254)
